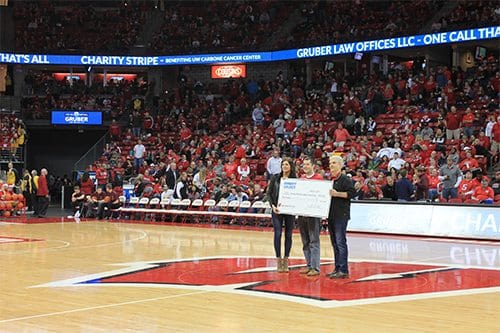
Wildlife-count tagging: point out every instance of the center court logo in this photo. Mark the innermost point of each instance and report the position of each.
(370, 282)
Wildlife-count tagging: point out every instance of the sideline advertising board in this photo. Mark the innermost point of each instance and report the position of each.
(305, 197)
(423, 219)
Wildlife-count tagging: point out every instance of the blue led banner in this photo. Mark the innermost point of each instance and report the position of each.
(69, 117)
(458, 36)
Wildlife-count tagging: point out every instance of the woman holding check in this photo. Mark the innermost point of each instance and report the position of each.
(287, 171)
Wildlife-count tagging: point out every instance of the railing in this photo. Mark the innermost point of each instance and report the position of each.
(7, 156)
(10, 104)
(92, 154)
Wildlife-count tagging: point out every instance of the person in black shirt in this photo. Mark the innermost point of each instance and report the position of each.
(389, 189)
(340, 214)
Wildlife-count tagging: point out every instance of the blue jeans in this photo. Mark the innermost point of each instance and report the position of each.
(337, 228)
(450, 193)
(309, 232)
(468, 131)
(138, 162)
(433, 193)
(278, 220)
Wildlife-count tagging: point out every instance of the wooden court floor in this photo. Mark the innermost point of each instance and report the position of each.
(125, 277)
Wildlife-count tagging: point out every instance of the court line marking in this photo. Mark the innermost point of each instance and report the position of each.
(65, 245)
(99, 307)
(142, 235)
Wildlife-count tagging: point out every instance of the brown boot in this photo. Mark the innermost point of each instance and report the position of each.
(280, 265)
(285, 265)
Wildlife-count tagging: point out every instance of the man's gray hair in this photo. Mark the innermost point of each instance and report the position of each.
(337, 159)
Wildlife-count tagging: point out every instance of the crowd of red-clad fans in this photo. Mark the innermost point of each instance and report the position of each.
(327, 22)
(409, 135)
(405, 136)
(470, 14)
(113, 26)
(45, 93)
(190, 27)
(201, 26)
(80, 26)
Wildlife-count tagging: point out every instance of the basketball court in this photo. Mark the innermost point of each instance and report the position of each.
(100, 276)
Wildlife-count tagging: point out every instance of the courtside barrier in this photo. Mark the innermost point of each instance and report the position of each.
(424, 219)
(419, 219)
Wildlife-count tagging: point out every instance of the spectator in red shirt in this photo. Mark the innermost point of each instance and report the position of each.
(341, 135)
(421, 182)
(43, 194)
(231, 167)
(469, 162)
(372, 191)
(102, 175)
(495, 138)
(378, 138)
(433, 183)
(430, 85)
(466, 186)
(453, 121)
(147, 123)
(467, 122)
(86, 184)
(243, 170)
(483, 193)
(115, 130)
(290, 126)
(183, 163)
(185, 133)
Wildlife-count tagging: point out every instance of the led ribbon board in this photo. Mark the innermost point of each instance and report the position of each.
(69, 117)
(458, 36)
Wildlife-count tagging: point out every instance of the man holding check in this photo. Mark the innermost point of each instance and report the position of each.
(310, 228)
(340, 214)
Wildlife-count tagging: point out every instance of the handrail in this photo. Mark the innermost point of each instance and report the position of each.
(92, 154)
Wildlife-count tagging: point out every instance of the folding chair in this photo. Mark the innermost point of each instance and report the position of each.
(258, 208)
(143, 205)
(244, 208)
(153, 206)
(133, 202)
(222, 207)
(164, 204)
(174, 205)
(233, 206)
(184, 205)
(222, 204)
(208, 206)
(196, 205)
(123, 202)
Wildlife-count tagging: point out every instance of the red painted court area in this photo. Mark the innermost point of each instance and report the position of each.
(368, 279)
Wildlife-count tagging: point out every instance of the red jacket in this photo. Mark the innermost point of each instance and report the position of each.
(43, 188)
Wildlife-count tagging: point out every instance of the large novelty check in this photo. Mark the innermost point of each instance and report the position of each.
(304, 197)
